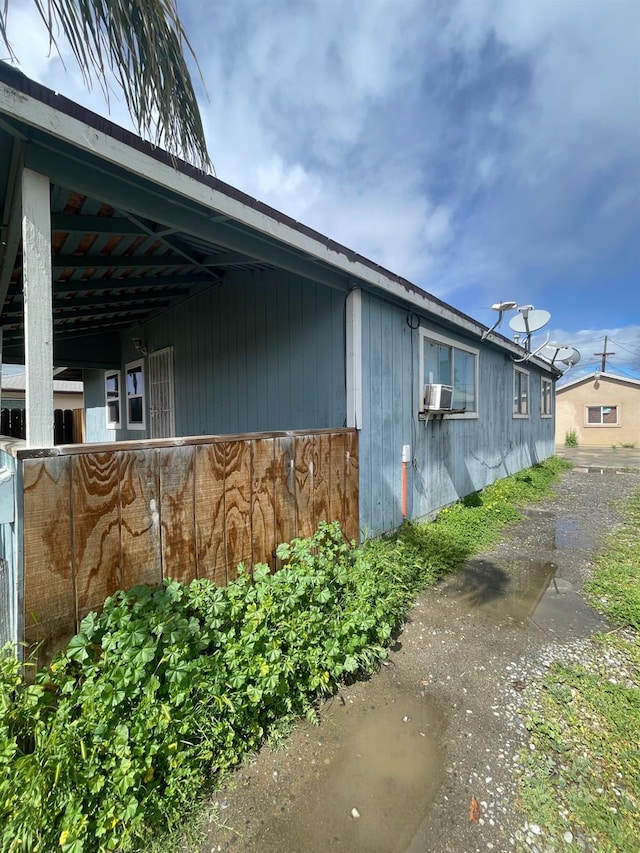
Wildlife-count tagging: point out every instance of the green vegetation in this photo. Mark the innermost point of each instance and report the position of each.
(571, 438)
(583, 777)
(157, 698)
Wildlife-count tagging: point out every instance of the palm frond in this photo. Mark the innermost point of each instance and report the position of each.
(143, 44)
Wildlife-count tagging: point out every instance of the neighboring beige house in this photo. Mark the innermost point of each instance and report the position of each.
(603, 409)
(67, 394)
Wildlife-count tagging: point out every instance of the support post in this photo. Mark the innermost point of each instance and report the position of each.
(38, 314)
(354, 358)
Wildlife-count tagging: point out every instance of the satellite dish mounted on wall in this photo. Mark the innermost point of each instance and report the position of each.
(500, 307)
(527, 321)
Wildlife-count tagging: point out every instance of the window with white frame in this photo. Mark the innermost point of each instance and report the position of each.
(520, 393)
(113, 398)
(602, 416)
(136, 403)
(545, 398)
(447, 362)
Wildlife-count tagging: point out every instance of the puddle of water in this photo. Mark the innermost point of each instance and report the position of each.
(567, 532)
(388, 765)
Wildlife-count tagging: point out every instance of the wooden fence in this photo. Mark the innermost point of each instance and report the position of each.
(99, 518)
(68, 425)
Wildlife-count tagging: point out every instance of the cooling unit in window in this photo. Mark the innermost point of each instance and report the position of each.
(438, 398)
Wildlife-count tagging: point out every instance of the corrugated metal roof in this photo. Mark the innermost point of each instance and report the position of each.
(18, 382)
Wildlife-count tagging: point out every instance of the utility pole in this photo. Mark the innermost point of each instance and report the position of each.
(604, 355)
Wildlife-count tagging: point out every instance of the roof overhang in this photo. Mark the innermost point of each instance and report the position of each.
(154, 229)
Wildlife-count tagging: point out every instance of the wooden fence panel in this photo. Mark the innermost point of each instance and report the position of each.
(140, 517)
(321, 478)
(338, 462)
(177, 516)
(49, 606)
(285, 489)
(305, 514)
(238, 506)
(94, 522)
(263, 499)
(96, 529)
(351, 527)
(210, 513)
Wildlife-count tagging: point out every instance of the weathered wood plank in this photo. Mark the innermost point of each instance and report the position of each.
(263, 499)
(96, 529)
(210, 513)
(321, 477)
(238, 506)
(285, 490)
(336, 494)
(177, 513)
(351, 489)
(140, 518)
(49, 591)
(305, 515)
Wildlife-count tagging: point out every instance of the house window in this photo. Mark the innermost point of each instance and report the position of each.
(602, 416)
(135, 395)
(112, 398)
(447, 362)
(520, 393)
(545, 398)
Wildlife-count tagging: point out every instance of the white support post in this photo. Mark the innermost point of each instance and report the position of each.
(38, 314)
(354, 358)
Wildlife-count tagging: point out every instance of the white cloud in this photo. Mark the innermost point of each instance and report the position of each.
(485, 149)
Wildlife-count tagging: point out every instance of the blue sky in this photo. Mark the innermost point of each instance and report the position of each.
(485, 149)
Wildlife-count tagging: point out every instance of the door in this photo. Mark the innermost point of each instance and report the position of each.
(161, 397)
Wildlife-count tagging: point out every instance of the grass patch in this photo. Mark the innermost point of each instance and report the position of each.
(159, 696)
(583, 777)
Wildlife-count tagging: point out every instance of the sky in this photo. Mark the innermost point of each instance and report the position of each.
(487, 150)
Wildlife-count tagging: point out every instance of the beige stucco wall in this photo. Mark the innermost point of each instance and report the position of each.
(571, 412)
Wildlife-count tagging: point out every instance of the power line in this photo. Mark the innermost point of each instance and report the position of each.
(604, 355)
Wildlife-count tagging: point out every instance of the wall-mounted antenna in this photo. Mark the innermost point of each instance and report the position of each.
(562, 353)
(527, 321)
(500, 307)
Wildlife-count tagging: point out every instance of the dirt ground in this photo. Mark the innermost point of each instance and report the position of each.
(398, 762)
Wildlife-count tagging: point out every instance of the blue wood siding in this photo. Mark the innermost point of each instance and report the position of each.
(259, 352)
(450, 457)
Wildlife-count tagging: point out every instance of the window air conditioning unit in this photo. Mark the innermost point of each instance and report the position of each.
(438, 397)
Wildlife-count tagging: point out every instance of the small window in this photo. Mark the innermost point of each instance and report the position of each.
(112, 398)
(545, 398)
(135, 395)
(520, 393)
(602, 416)
(447, 362)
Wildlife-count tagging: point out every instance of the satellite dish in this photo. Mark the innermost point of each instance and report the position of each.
(554, 351)
(572, 359)
(529, 320)
(500, 307)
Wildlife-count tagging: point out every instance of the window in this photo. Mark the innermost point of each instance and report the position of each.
(112, 398)
(602, 416)
(520, 393)
(447, 362)
(135, 395)
(545, 398)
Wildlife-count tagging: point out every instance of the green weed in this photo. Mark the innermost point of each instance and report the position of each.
(584, 775)
(168, 688)
(571, 438)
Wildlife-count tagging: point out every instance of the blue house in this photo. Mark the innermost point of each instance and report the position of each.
(200, 317)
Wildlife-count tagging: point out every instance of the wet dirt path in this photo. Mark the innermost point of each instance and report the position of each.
(397, 760)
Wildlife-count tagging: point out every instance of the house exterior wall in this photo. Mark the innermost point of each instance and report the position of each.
(449, 457)
(571, 408)
(259, 352)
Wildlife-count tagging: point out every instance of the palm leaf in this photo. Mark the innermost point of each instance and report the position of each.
(143, 44)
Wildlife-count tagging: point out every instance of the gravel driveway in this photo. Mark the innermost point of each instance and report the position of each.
(399, 761)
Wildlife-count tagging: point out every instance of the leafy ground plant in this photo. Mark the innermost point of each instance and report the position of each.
(168, 688)
(581, 783)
